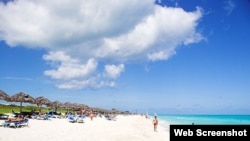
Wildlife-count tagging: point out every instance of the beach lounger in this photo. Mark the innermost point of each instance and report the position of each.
(80, 120)
(72, 119)
(19, 124)
(5, 124)
(75, 119)
(43, 117)
(23, 123)
(4, 117)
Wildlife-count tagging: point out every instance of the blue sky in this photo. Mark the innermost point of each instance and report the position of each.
(173, 57)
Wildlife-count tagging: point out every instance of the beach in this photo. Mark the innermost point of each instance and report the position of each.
(124, 128)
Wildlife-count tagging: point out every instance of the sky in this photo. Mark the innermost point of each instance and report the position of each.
(164, 56)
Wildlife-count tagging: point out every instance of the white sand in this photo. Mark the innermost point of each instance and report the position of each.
(125, 128)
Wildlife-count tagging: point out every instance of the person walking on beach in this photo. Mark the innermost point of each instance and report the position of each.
(155, 123)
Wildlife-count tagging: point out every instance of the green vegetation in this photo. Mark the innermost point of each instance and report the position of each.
(9, 108)
(4, 109)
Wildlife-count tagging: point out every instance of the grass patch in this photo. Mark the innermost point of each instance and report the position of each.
(5, 109)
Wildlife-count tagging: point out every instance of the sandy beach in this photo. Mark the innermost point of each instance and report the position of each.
(125, 128)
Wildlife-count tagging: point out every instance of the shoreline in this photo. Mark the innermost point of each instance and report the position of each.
(124, 128)
(206, 119)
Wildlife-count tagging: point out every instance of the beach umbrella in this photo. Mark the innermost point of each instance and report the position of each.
(76, 106)
(21, 97)
(68, 105)
(56, 104)
(3, 95)
(83, 106)
(42, 101)
(100, 110)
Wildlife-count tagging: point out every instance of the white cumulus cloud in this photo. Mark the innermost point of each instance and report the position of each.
(114, 71)
(79, 34)
(68, 68)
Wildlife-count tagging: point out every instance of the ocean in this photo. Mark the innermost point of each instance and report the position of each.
(206, 119)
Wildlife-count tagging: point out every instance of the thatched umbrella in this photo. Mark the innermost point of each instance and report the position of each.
(83, 106)
(100, 110)
(76, 106)
(21, 97)
(56, 104)
(3, 95)
(68, 105)
(41, 101)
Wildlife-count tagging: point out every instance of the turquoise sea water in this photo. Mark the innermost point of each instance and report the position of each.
(206, 119)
